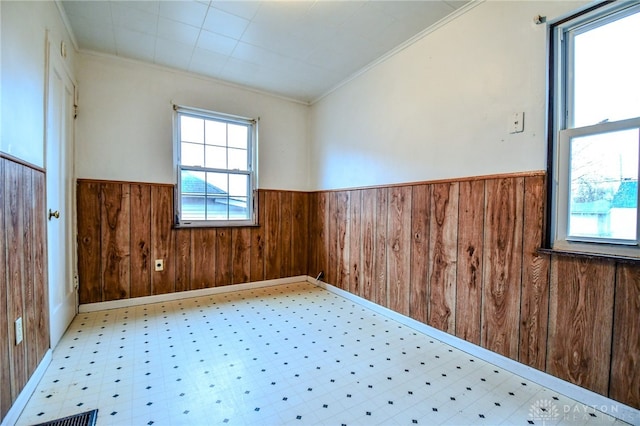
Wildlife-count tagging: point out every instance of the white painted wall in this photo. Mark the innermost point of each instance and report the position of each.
(24, 27)
(441, 108)
(124, 126)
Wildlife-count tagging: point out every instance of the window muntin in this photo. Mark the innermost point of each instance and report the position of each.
(216, 173)
(596, 138)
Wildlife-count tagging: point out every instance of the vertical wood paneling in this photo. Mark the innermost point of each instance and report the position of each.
(115, 233)
(355, 234)
(399, 249)
(469, 273)
(273, 247)
(332, 255)
(257, 242)
(162, 240)
(443, 247)
(323, 235)
(183, 259)
(580, 321)
(300, 233)
(40, 263)
(15, 272)
(487, 246)
(312, 244)
(502, 265)
(203, 258)
(23, 285)
(89, 246)
(380, 249)
(342, 239)
(534, 311)
(367, 243)
(286, 234)
(625, 364)
(223, 257)
(420, 218)
(241, 255)
(29, 319)
(5, 371)
(141, 263)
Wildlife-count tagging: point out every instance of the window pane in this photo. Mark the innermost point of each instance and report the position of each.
(238, 136)
(191, 154)
(191, 129)
(238, 208)
(193, 195)
(238, 185)
(216, 133)
(217, 208)
(192, 182)
(215, 157)
(604, 185)
(238, 159)
(192, 207)
(607, 66)
(217, 184)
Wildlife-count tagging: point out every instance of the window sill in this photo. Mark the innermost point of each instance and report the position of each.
(594, 256)
(214, 226)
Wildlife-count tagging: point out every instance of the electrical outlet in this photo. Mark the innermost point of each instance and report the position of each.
(159, 265)
(19, 335)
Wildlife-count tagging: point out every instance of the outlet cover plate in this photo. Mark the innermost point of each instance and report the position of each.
(159, 265)
(19, 335)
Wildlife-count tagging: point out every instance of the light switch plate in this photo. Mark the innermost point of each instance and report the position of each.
(517, 123)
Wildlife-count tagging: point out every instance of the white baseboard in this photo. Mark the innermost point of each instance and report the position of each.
(584, 396)
(125, 303)
(16, 409)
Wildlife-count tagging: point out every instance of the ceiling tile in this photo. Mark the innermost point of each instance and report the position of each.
(98, 12)
(244, 9)
(241, 72)
(177, 31)
(367, 17)
(334, 12)
(221, 22)
(149, 6)
(187, 12)
(216, 42)
(297, 48)
(206, 62)
(257, 55)
(133, 19)
(94, 36)
(275, 39)
(281, 14)
(172, 54)
(134, 45)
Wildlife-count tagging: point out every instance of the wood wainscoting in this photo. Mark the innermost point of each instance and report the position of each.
(23, 271)
(462, 256)
(123, 227)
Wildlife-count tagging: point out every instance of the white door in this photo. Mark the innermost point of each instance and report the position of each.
(59, 170)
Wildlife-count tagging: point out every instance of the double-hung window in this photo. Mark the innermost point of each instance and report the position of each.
(216, 168)
(595, 131)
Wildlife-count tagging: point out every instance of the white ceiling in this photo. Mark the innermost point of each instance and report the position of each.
(297, 49)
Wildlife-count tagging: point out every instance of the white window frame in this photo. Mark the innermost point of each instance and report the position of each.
(252, 171)
(562, 131)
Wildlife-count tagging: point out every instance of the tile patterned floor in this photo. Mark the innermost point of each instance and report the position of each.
(290, 354)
